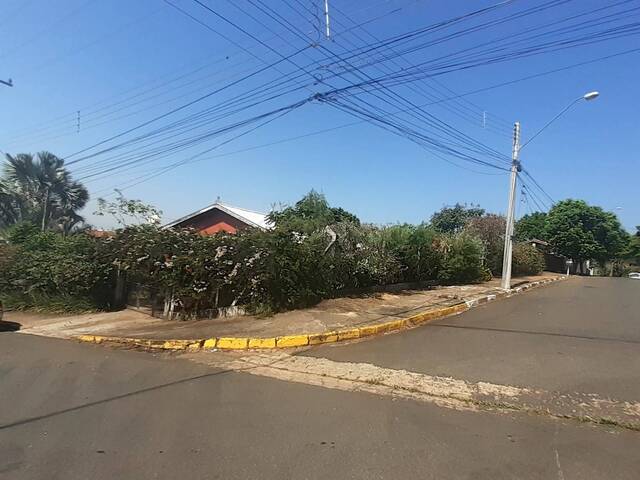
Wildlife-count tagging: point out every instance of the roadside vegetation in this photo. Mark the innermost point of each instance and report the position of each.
(314, 251)
(50, 261)
(583, 232)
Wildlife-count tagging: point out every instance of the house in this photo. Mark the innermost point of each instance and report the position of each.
(220, 217)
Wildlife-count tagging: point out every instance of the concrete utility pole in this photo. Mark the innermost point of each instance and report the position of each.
(508, 235)
(515, 168)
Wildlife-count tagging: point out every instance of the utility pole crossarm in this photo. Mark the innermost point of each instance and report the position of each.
(8, 83)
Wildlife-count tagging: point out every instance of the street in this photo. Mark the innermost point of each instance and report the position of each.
(75, 411)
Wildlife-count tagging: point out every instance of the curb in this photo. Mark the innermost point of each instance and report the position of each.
(303, 340)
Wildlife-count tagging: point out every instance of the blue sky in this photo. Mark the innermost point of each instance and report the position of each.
(119, 63)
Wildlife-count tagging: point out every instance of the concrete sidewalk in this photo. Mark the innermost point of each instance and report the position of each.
(328, 315)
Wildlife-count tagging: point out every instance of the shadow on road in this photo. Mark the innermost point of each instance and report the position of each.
(128, 394)
(532, 332)
(6, 326)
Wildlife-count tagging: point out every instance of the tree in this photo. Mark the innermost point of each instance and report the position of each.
(490, 230)
(632, 252)
(126, 211)
(531, 226)
(41, 191)
(310, 214)
(453, 219)
(583, 232)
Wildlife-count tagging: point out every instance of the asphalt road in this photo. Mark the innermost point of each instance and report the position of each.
(73, 411)
(580, 335)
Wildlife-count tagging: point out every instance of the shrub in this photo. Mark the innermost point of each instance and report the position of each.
(40, 266)
(413, 247)
(490, 230)
(461, 259)
(43, 302)
(527, 260)
(313, 252)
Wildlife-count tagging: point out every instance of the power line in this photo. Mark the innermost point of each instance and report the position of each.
(417, 88)
(535, 182)
(50, 28)
(391, 98)
(231, 22)
(425, 115)
(182, 107)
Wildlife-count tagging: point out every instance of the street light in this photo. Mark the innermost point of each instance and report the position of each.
(515, 168)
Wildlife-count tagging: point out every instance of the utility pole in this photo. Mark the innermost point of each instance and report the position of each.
(326, 18)
(508, 236)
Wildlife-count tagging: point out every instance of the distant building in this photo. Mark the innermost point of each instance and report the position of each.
(221, 217)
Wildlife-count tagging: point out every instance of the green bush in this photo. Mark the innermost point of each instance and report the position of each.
(527, 260)
(414, 248)
(42, 302)
(490, 230)
(461, 259)
(313, 252)
(65, 271)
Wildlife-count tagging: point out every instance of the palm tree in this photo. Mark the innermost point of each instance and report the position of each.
(40, 191)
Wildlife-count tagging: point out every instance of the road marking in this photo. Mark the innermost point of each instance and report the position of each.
(443, 391)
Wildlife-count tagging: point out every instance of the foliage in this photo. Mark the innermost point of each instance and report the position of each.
(632, 252)
(126, 211)
(531, 226)
(20, 232)
(46, 268)
(490, 230)
(42, 302)
(310, 214)
(315, 251)
(413, 246)
(527, 260)
(453, 219)
(582, 232)
(461, 259)
(41, 191)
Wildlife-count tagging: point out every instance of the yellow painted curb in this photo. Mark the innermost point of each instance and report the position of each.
(262, 342)
(232, 343)
(318, 338)
(290, 341)
(348, 334)
(366, 331)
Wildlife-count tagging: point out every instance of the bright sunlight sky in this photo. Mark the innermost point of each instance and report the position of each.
(122, 63)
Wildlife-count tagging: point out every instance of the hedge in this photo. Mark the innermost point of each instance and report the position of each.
(264, 271)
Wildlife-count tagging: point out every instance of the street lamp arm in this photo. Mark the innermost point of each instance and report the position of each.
(587, 96)
(551, 121)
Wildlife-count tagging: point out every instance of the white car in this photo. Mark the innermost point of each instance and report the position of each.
(635, 275)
